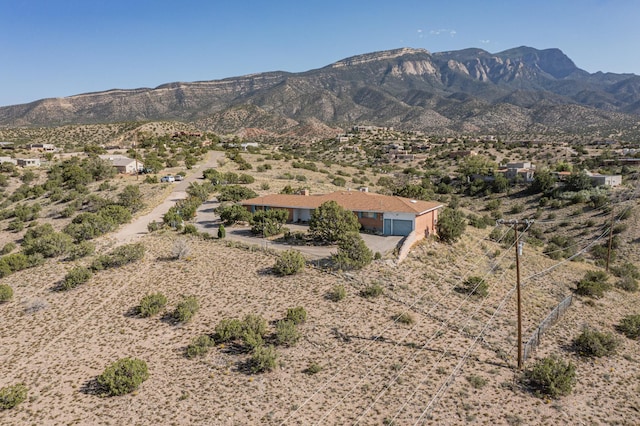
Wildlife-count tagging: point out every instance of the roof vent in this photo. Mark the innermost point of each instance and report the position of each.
(414, 201)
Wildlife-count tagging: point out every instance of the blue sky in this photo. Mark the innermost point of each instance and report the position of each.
(56, 48)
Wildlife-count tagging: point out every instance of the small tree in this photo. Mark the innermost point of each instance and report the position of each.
(286, 333)
(551, 376)
(264, 358)
(330, 222)
(6, 293)
(233, 213)
(451, 225)
(186, 309)
(630, 326)
(123, 376)
(268, 222)
(352, 252)
(297, 315)
(290, 262)
(222, 232)
(199, 346)
(10, 396)
(591, 343)
(593, 284)
(75, 277)
(151, 304)
(476, 286)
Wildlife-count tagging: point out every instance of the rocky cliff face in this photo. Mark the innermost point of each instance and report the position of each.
(412, 88)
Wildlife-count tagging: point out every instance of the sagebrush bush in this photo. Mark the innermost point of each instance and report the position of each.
(374, 290)
(313, 368)
(286, 333)
(119, 256)
(228, 329)
(628, 283)
(630, 326)
(6, 293)
(593, 343)
(297, 315)
(254, 328)
(551, 376)
(151, 304)
(404, 318)
(263, 358)
(199, 346)
(123, 376)
(186, 309)
(475, 286)
(75, 277)
(8, 248)
(290, 262)
(593, 284)
(10, 396)
(80, 250)
(338, 293)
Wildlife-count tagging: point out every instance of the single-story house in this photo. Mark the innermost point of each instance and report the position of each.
(124, 164)
(28, 162)
(610, 180)
(42, 147)
(385, 214)
(8, 160)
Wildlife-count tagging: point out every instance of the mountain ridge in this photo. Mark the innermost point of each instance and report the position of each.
(407, 87)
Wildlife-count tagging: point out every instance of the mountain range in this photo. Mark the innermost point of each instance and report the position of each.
(514, 91)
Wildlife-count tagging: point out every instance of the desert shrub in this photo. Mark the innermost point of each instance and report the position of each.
(154, 226)
(5, 269)
(476, 286)
(330, 222)
(80, 250)
(130, 197)
(6, 293)
(233, 213)
(551, 376)
(626, 269)
(286, 333)
(10, 396)
(373, 290)
(297, 315)
(593, 284)
(222, 232)
(313, 368)
(263, 358)
(151, 304)
(352, 252)
(123, 376)
(254, 328)
(49, 245)
(8, 248)
(404, 318)
(119, 256)
(87, 226)
(199, 346)
(289, 262)
(15, 225)
(560, 247)
(115, 214)
(517, 208)
(16, 261)
(235, 193)
(628, 283)
(476, 382)
(591, 343)
(630, 326)
(451, 225)
(338, 293)
(186, 309)
(228, 329)
(75, 277)
(180, 249)
(268, 222)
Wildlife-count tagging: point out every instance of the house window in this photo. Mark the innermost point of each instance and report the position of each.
(368, 215)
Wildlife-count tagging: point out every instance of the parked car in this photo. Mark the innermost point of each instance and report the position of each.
(178, 178)
(167, 179)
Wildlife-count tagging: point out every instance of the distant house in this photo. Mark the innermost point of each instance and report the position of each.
(124, 164)
(8, 160)
(28, 162)
(7, 145)
(610, 180)
(524, 170)
(459, 154)
(42, 147)
(387, 215)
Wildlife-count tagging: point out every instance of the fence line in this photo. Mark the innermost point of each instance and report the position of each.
(550, 320)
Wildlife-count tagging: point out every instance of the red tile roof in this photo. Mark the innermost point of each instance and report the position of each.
(350, 200)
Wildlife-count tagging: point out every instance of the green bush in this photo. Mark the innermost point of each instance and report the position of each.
(286, 333)
(154, 226)
(254, 328)
(297, 315)
(75, 277)
(352, 252)
(228, 330)
(374, 290)
(404, 318)
(451, 225)
(8, 248)
(338, 293)
(16, 261)
(313, 368)
(115, 214)
(628, 283)
(593, 284)
(551, 376)
(199, 346)
(626, 269)
(330, 222)
(151, 304)
(591, 343)
(222, 232)
(477, 382)
(6, 293)
(290, 262)
(263, 358)
(235, 193)
(123, 376)
(119, 256)
(80, 250)
(186, 309)
(476, 286)
(630, 326)
(10, 396)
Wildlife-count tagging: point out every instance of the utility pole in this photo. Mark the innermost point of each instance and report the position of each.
(610, 240)
(518, 245)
